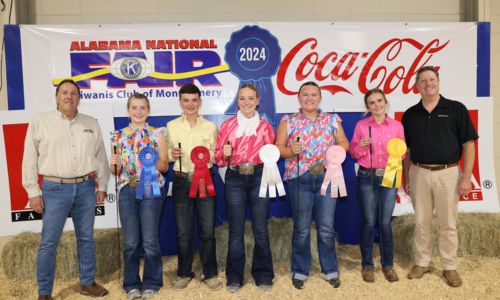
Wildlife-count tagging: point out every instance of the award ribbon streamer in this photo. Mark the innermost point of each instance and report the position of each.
(148, 157)
(202, 181)
(335, 156)
(269, 154)
(254, 55)
(396, 148)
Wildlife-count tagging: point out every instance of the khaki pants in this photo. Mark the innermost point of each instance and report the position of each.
(435, 191)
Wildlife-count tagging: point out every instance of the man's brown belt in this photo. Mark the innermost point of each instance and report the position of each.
(436, 167)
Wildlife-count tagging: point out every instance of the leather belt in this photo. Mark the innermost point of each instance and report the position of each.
(376, 171)
(246, 168)
(189, 175)
(72, 180)
(317, 168)
(183, 175)
(436, 167)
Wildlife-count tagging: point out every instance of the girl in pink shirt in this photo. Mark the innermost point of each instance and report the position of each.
(376, 203)
(238, 145)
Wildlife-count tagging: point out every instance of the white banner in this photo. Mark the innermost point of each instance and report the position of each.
(111, 62)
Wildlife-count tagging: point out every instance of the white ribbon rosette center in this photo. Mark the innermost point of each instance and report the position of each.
(335, 156)
(269, 154)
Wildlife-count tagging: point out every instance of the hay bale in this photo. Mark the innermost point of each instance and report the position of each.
(280, 237)
(108, 255)
(478, 235)
(19, 255)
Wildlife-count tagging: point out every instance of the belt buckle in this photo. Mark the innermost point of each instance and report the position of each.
(316, 168)
(246, 169)
(133, 181)
(83, 178)
(379, 172)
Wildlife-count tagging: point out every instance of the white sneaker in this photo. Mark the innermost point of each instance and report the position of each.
(264, 287)
(148, 294)
(233, 288)
(133, 294)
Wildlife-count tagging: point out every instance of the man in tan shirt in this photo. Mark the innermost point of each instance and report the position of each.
(66, 148)
(191, 130)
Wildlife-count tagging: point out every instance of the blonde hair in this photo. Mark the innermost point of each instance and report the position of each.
(371, 92)
(249, 86)
(139, 97)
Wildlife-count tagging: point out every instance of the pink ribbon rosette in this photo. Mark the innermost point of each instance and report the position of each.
(335, 156)
(269, 154)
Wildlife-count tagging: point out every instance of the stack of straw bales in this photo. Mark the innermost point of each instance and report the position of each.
(19, 255)
(280, 237)
(478, 235)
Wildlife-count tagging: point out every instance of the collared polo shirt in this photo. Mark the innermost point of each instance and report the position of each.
(380, 134)
(58, 147)
(438, 137)
(204, 133)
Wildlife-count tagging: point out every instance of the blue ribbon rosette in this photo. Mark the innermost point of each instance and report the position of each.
(254, 55)
(148, 180)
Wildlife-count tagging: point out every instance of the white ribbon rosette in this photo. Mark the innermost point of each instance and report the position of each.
(269, 154)
(335, 156)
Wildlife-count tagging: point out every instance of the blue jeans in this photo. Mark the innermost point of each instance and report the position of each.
(140, 220)
(243, 190)
(185, 209)
(307, 203)
(376, 204)
(59, 200)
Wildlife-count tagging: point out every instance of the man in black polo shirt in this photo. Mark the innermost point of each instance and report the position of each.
(437, 131)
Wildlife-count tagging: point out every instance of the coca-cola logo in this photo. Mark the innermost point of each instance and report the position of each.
(381, 68)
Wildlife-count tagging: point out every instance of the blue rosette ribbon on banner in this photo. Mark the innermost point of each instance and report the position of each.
(254, 55)
(148, 180)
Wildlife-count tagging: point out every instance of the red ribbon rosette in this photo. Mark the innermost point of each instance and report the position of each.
(202, 181)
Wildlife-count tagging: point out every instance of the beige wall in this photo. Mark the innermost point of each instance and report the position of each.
(493, 15)
(143, 11)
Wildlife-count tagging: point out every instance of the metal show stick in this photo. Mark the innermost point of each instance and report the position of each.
(180, 158)
(371, 155)
(229, 157)
(117, 216)
(298, 169)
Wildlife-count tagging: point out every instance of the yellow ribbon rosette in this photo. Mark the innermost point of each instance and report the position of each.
(396, 148)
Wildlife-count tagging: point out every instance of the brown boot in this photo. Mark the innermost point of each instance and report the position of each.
(452, 278)
(44, 297)
(93, 290)
(390, 274)
(417, 272)
(367, 274)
